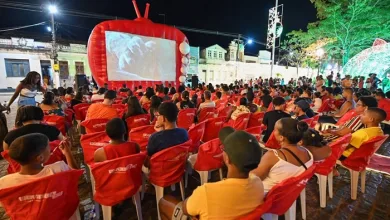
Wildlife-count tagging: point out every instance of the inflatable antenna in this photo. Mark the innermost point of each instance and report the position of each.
(146, 15)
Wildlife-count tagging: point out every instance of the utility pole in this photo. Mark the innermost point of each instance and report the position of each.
(237, 53)
(53, 10)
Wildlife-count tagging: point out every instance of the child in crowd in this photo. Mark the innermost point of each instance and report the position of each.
(31, 151)
(371, 118)
(314, 142)
(118, 147)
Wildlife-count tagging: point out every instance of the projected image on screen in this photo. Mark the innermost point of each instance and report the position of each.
(138, 58)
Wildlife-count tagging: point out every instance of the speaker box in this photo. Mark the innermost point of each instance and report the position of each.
(81, 80)
(195, 81)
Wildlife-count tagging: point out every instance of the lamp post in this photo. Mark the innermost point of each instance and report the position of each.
(238, 42)
(53, 10)
(320, 52)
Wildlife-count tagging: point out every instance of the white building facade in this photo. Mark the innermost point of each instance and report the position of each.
(18, 56)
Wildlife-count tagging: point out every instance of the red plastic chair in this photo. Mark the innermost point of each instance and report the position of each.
(315, 121)
(146, 106)
(206, 113)
(221, 104)
(51, 197)
(167, 168)
(324, 169)
(95, 125)
(56, 155)
(56, 121)
(186, 118)
(209, 158)
(141, 135)
(241, 122)
(84, 111)
(117, 180)
(278, 203)
(212, 128)
(255, 131)
(325, 107)
(77, 111)
(270, 107)
(69, 113)
(357, 162)
(348, 116)
(224, 112)
(196, 133)
(138, 121)
(256, 119)
(257, 101)
(91, 142)
(272, 142)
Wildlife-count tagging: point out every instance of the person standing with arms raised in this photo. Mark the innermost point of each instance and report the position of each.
(27, 90)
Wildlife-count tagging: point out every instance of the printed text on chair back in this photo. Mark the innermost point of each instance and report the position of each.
(186, 118)
(117, 180)
(51, 197)
(91, 142)
(141, 135)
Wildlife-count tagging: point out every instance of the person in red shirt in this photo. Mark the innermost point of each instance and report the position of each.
(383, 103)
(104, 109)
(118, 147)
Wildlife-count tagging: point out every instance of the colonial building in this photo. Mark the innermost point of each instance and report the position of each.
(18, 56)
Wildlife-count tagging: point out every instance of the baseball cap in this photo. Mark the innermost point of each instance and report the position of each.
(242, 148)
(303, 105)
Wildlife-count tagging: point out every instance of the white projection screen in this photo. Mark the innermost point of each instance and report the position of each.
(133, 57)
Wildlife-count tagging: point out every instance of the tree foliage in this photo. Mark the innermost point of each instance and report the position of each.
(352, 25)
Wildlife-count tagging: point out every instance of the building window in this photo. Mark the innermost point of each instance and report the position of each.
(64, 70)
(16, 67)
(79, 68)
(215, 54)
(209, 54)
(220, 55)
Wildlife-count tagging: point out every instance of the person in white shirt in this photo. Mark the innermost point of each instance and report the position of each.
(207, 103)
(99, 95)
(317, 101)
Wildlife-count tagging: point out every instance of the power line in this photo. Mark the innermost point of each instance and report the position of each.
(22, 27)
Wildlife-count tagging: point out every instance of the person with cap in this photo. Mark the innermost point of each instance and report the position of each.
(291, 160)
(237, 195)
(104, 109)
(300, 110)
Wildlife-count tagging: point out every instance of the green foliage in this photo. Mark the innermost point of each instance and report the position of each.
(354, 24)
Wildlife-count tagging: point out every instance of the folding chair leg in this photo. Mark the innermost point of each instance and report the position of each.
(203, 177)
(330, 184)
(363, 181)
(322, 180)
(291, 212)
(137, 202)
(354, 183)
(220, 174)
(269, 216)
(106, 212)
(159, 195)
(182, 190)
(303, 203)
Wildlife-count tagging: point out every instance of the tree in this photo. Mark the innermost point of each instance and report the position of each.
(353, 24)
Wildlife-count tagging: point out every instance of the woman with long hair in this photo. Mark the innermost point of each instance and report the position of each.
(186, 102)
(133, 108)
(77, 99)
(155, 102)
(291, 160)
(27, 90)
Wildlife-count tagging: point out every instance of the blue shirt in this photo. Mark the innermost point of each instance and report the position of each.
(165, 139)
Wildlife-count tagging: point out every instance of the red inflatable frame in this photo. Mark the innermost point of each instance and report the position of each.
(141, 26)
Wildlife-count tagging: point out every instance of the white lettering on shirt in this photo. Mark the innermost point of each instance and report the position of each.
(52, 195)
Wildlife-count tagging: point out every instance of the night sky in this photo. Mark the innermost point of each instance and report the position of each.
(247, 17)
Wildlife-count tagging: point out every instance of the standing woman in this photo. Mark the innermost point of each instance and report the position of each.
(27, 89)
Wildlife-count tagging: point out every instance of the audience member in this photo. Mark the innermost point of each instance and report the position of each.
(155, 102)
(104, 109)
(118, 147)
(371, 119)
(168, 134)
(291, 160)
(317, 101)
(300, 110)
(265, 98)
(315, 143)
(241, 109)
(29, 120)
(133, 108)
(31, 151)
(77, 99)
(231, 197)
(166, 96)
(99, 95)
(253, 108)
(49, 107)
(207, 103)
(383, 103)
(186, 102)
(271, 117)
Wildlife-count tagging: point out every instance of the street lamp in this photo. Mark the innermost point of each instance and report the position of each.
(48, 28)
(250, 41)
(52, 9)
(320, 52)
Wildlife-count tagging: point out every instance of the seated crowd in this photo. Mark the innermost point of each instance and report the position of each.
(250, 175)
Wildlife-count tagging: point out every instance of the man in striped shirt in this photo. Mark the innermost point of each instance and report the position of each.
(354, 124)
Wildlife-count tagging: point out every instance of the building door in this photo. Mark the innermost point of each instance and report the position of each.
(46, 71)
(64, 70)
(79, 68)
